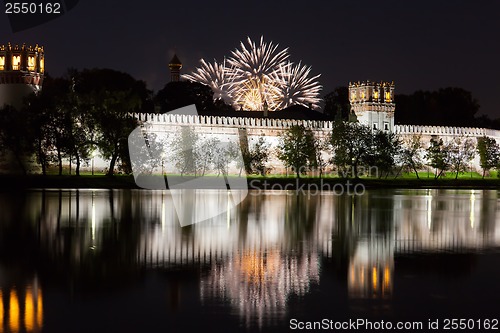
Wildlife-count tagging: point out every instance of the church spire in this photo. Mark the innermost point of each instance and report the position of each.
(175, 66)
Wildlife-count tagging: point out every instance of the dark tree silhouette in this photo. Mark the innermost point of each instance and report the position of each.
(110, 97)
(178, 94)
(445, 107)
(337, 103)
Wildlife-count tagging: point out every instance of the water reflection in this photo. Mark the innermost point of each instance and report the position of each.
(255, 256)
(258, 283)
(21, 308)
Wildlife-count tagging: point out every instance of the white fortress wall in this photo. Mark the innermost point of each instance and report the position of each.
(226, 128)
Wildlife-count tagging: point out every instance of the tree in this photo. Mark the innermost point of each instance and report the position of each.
(351, 143)
(445, 107)
(259, 156)
(438, 156)
(110, 98)
(79, 123)
(461, 151)
(178, 94)
(297, 149)
(411, 153)
(185, 151)
(114, 124)
(489, 153)
(81, 127)
(147, 151)
(322, 145)
(39, 118)
(226, 152)
(384, 150)
(221, 105)
(16, 137)
(207, 152)
(254, 159)
(337, 103)
(50, 114)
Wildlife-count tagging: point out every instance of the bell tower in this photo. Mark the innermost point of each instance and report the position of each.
(21, 73)
(373, 104)
(175, 66)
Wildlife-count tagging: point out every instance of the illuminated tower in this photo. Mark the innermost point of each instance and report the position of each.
(175, 66)
(373, 104)
(21, 73)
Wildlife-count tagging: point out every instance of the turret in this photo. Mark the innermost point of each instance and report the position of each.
(21, 72)
(373, 104)
(175, 66)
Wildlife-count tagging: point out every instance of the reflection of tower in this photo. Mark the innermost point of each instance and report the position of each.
(373, 104)
(21, 308)
(175, 66)
(371, 269)
(21, 72)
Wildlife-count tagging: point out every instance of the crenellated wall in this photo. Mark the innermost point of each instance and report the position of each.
(176, 119)
(445, 131)
(227, 128)
(316, 125)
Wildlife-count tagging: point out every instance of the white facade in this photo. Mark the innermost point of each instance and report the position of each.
(270, 129)
(373, 104)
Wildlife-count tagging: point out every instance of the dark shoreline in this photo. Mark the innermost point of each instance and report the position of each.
(13, 183)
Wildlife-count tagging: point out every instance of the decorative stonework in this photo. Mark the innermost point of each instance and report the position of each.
(373, 104)
(21, 72)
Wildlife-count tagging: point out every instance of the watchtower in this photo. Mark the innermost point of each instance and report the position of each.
(21, 73)
(373, 104)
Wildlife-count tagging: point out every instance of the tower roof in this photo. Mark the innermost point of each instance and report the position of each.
(175, 61)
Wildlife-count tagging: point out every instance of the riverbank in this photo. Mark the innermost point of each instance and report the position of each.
(254, 183)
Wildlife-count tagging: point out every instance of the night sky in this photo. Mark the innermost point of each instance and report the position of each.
(418, 44)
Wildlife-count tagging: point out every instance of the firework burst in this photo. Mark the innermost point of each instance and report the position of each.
(259, 75)
(299, 87)
(216, 76)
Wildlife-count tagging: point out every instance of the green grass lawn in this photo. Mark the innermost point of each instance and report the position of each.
(100, 180)
(447, 175)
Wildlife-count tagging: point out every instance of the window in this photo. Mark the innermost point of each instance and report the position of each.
(2, 63)
(31, 63)
(387, 97)
(386, 126)
(374, 126)
(16, 63)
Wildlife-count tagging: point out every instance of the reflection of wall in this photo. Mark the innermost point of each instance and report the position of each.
(415, 220)
(260, 222)
(21, 308)
(270, 230)
(446, 220)
(421, 220)
(424, 221)
(248, 250)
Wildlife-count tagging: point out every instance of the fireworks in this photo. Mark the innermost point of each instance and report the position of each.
(216, 76)
(259, 76)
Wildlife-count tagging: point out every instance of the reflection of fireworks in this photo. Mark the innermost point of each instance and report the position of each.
(259, 283)
(259, 75)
